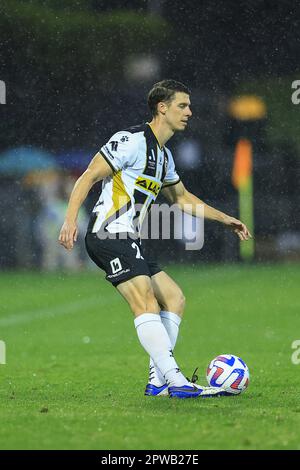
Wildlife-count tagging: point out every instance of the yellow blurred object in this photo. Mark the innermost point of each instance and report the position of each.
(247, 108)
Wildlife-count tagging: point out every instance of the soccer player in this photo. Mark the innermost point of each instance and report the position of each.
(134, 166)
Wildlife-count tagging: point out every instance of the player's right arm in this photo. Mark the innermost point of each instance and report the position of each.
(97, 170)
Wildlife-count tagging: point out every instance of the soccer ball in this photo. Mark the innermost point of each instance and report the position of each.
(228, 372)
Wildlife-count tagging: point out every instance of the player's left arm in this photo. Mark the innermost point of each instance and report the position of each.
(191, 204)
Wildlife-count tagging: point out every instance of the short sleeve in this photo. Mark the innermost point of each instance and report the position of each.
(172, 176)
(120, 151)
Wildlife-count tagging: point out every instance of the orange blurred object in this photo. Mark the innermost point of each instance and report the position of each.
(242, 164)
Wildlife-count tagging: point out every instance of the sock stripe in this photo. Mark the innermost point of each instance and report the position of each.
(175, 323)
(173, 317)
(146, 321)
(146, 318)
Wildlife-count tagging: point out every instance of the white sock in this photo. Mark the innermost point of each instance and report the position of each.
(171, 322)
(156, 342)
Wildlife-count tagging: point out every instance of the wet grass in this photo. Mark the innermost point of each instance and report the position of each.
(75, 372)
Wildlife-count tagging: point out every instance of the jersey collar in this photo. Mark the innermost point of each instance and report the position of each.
(155, 136)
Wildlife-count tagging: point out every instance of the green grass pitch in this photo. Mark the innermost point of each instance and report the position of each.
(75, 373)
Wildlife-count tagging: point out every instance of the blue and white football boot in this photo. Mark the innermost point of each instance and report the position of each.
(152, 390)
(196, 391)
(193, 390)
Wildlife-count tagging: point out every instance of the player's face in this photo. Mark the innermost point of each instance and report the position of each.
(178, 111)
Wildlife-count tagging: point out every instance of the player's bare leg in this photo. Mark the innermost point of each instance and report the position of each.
(139, 294)
(168, 294)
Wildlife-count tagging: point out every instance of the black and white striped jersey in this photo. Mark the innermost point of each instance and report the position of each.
(141, 168)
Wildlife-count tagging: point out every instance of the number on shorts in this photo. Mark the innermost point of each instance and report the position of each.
(138, 251)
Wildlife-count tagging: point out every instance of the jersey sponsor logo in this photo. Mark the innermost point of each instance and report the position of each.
(106, 149)
(123, 271)
(116, 265)
(166, 165)
(151, 163)
(149, 185)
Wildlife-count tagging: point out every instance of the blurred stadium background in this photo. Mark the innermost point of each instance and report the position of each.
(76, 71)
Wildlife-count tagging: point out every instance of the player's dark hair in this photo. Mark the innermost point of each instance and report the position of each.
(164, 91)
